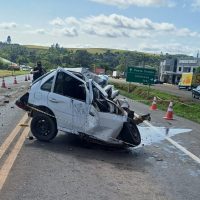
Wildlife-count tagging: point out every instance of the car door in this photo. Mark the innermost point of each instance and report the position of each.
(68, 101)
(80, 105)
(60, 104)
(103, 124)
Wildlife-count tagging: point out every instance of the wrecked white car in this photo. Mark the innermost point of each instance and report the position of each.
(65, 101)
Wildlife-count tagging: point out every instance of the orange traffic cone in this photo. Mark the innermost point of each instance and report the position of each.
(154, 104)
(29, 77)
(3, 85)
(15, 80)
(26, 78)
(169, 114)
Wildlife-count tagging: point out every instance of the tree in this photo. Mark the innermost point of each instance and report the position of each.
(9, 39)
(121, 68)
(82, 58)
(3, 65)
(57, 46)
(197, 70)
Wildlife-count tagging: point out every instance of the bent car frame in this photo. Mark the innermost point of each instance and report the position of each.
(67, 101)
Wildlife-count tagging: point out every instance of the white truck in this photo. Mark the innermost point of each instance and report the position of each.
(116, 74)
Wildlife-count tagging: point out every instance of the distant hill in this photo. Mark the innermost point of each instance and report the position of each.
(97, 50)
(90, 50)
(55, 55)
(4, 60)
(36, 47)
(104, 50)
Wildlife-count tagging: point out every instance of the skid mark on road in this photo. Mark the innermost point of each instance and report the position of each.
(7, 165)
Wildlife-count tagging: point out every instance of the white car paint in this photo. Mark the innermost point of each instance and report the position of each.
(77, 116)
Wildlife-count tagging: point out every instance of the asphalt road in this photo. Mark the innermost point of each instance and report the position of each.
(9, 80)
(166, 166)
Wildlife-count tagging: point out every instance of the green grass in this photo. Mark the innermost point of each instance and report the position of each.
(4, 73)
(36, 47)
(182, 107)
(97, 50)
(5, 61)
(90, 50)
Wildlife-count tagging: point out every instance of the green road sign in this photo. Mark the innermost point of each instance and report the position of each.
(140, 75)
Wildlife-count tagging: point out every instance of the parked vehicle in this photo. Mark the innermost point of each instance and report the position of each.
(25, 68)
(196, 92)
(67, 101)
(157, 81)
(116, 74)
(189, 81)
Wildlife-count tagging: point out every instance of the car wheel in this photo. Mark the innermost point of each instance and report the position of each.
(135, 134)
(43, 127)
(130, 133)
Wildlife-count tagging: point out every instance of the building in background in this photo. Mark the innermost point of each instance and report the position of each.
(172, 69)
(13, 66)
(99, 71)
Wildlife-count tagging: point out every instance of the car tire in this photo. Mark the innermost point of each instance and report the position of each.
(43, 127)
(130, 133)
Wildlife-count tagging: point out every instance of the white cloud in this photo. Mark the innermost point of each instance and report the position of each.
(69, 32)
(27, 26)
(139, 3)
(8, 25)
(121, 26)
(106, 32)
(164, 26)
(141, 34)
(113, 26)
(57, 22)
(40, 31)
(72, 21)
(120, 31)
(37, 31)
(196, 4)
(65, 27)
(173, 48)
(185, 32)
(120, 21)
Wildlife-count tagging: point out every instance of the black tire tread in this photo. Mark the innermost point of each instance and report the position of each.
(49, 120)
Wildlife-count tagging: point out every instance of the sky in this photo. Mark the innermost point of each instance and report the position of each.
(154, 26)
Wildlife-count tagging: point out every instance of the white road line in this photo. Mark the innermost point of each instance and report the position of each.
(178, 146)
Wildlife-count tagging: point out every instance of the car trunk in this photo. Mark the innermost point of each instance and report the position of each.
(22, 102)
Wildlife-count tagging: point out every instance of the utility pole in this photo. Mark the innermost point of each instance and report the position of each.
(143, 62)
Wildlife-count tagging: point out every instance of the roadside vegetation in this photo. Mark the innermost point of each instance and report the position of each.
(182, 107)
(4, 73)
(55, 55)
